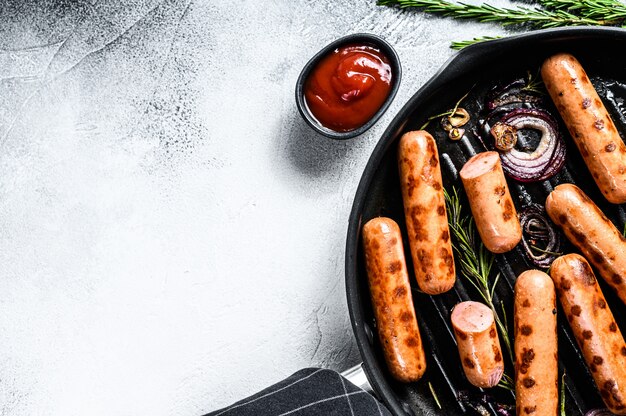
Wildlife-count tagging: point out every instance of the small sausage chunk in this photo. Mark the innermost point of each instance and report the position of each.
(592, 323)
(425, 212)
(591, 232)
(478, 342)
(536, 364)
(589, 124)
(392, 301)
(491, 203)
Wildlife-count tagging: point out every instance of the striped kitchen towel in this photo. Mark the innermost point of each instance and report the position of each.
(308, 392)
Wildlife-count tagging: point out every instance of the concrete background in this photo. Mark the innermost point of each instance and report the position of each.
(171, 232)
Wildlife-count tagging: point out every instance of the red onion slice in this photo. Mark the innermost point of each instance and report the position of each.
(544, 161)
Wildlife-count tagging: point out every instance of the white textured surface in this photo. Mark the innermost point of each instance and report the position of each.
(171, 232)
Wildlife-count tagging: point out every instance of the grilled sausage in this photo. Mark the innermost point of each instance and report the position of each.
(536, 363)
(478, 342)
(593, 325)
(392, 301)
(592, 232)
(425, 212)
(589, 124)
(491, 203)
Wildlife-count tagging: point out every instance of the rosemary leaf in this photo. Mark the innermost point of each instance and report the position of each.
(432, 391)
(563, 394)
(465, 43)
(534, 17)
(609, 12)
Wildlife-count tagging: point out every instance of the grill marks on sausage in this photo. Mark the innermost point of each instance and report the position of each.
(526, 330)
(419, 231)
(528, 355)
(411, 184)
(461, 334)
(399, 292)
(598, 124)
(529, 409)
(566, 284)
(406, 317)
(508, 210)
(610, 392)
(412, 342)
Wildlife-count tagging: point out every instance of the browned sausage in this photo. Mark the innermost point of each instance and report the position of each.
(596, 332)
(491, 203)
(478, 342)
(425, 212)
(536, 361)
(589, 124)
(392, 301)
(592, 232)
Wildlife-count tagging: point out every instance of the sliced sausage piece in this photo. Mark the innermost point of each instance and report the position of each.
(491, 203)
(478, 342)
(592, 323)
(391, 299)
(425, 212)
(536, 362)
(589, 124)
(591, 232)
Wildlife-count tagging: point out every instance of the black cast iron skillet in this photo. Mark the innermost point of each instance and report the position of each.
(600, 50)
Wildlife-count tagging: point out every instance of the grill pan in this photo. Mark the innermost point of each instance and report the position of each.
(477, 68)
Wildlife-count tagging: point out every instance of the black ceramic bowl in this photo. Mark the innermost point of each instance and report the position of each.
(360, 38)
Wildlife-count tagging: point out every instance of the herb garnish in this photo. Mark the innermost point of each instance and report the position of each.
(549, 13)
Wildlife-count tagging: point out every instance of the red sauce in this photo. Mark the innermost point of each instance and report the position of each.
(348, 87)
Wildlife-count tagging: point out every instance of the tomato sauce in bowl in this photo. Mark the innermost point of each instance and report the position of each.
(345, 88)
(348, 86)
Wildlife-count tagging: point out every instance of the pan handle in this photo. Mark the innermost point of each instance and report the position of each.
(356, 375)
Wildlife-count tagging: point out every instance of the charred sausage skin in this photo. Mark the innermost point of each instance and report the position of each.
(478, 343)
(390, 291)
(591, 232)
(594, 327)
(588, 123)
(536, 361)
(425, 212)
(491, 202)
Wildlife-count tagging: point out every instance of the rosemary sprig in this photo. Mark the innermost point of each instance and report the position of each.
(465, 43)
(534, 83)
(563, 394)
(553, 253)
(534, 17)
(506, 382)
(476, 261)
(608, 12)
(434, 394)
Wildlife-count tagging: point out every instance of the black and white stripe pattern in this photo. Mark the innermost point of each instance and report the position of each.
(311, 391)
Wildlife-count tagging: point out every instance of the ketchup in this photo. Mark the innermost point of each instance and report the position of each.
(348, 87)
